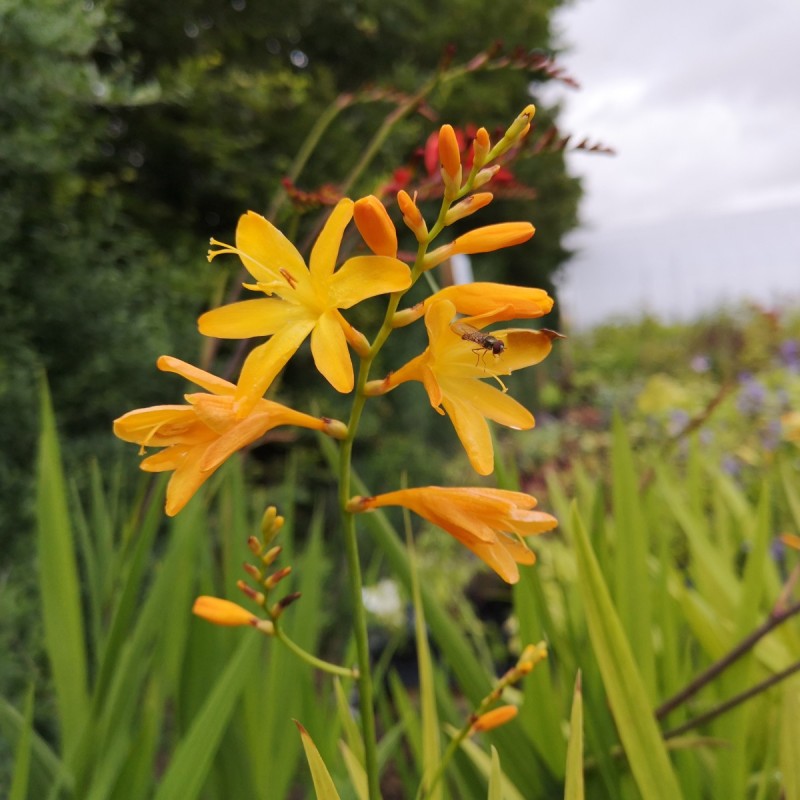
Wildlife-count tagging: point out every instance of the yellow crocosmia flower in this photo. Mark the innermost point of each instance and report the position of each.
(494, 719)
(452, 369)
(490, 522)
(222, 612)
(197, 438)
(493, 302)
(302, 300)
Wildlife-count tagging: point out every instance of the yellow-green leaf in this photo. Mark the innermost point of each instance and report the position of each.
(356, 771)
(495, 778)
(573, 789)
(323, 783)
(627, 696)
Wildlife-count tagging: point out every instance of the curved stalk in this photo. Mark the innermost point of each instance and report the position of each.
(317, 663)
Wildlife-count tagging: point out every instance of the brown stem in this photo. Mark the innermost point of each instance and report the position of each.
(775, 618)
(734, 701)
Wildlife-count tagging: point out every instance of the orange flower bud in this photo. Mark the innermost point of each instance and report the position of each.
(375, 226)
(480, 148)
(482, 240)
(449, 153)
(222, 612)
(469, 205)
(494, 718)
(412, 216)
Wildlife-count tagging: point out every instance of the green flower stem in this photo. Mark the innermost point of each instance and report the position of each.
(317, 663)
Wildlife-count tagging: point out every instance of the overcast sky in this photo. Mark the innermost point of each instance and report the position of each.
(701, 101)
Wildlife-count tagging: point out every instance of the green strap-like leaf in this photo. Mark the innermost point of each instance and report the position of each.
(60, 585)
(636, 724)
(573, 789)
(192, 761)
(324, 786)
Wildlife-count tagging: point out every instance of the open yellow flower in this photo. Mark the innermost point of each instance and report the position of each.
(452, 370)
(490, 522)
(198, 438)
(302, 300)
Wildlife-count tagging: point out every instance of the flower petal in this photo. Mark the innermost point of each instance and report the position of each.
(326, 248)
(265, 251)
(186, 480)
(240, 435)
(159, 426)
(265, 361)
(329, 348)
(498, 558)
(489, 402)
(195, 375)
(248, 318)
(473, 431)
(524, 347)
(367, 276)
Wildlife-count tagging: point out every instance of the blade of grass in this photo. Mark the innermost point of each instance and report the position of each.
(573, 790)
(627, 696)
(631, 573)
(192, 759)
(324, 787)
(59, 582)
(22, 755)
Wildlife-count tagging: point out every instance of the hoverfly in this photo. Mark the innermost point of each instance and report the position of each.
(485, 341)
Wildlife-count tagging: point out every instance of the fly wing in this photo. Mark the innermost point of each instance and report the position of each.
(465, 331)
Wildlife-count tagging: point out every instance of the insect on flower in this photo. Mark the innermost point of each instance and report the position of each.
(485, 341)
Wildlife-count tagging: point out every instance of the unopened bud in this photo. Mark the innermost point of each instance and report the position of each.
(357, 340)
(282, 604)
(254, 546)
(375, 226)
(256, 597)
(480, 148)
(334, 428)
(271, 524)
(222, 612)
(412, 216)
(494, 718)
(273, 580)
(408, 315)
(253, 571)
(485, 175)
(271, 556)
(469, 205)
(518, 128)
(531, 656)
(449, 153)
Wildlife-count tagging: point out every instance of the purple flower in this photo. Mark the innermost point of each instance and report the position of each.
(700, 363)
(752, 395)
